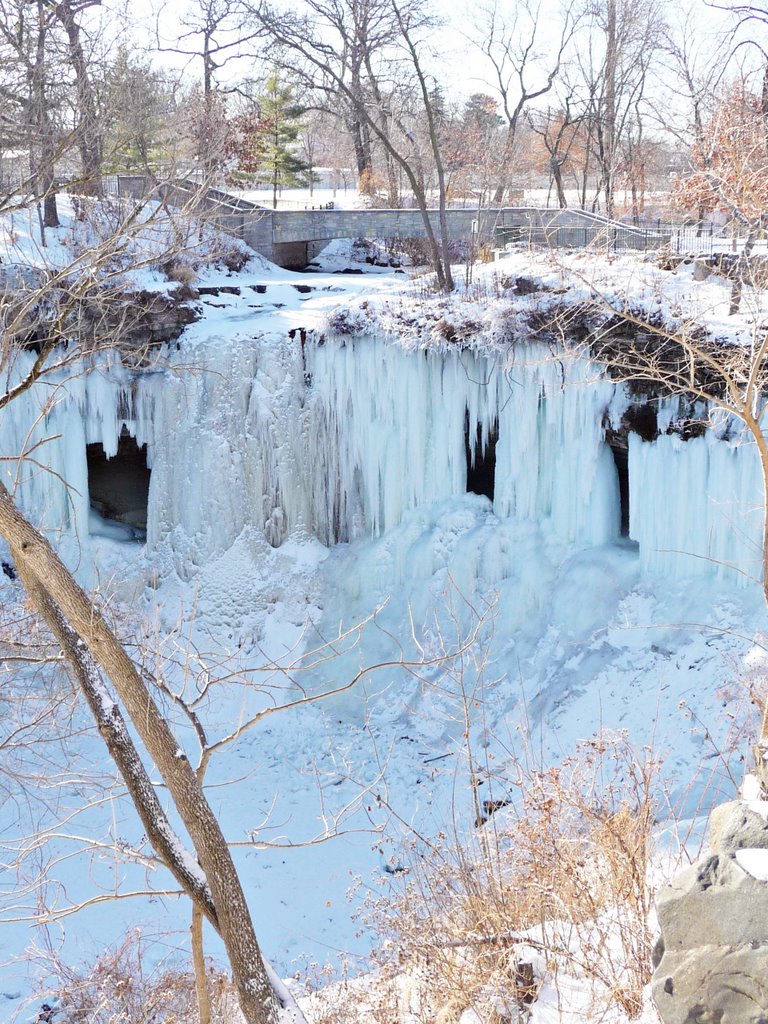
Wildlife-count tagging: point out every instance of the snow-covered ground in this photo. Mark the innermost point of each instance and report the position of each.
(339, 198)
(569, 638)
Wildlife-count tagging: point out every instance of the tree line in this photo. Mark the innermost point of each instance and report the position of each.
(591, 99)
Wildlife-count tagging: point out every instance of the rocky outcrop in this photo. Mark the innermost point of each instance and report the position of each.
(131, 320)
(712, 960)
(39, 311)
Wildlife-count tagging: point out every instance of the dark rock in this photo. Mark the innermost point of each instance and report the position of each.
(224, 289)
(528, 286)
(642, 420)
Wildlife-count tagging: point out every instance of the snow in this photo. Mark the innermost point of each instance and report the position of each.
(754, 862)
(298, 489)
(341, 198)
(751, 791)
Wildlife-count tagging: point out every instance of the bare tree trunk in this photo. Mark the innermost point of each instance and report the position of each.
(635, 201)
(700, 215)
(36, 558)
(443, 263)
(363, 159)
(394, 199)
(198, 962)
(557, 176)
(508, 161)
(754, 425)
(88, 134)
(361, 135)
(358, 126)
(741, 271)
(117, 738)
(45, 148)
(608, 148)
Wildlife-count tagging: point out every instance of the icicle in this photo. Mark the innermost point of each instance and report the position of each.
(696, 506)
(350, 439)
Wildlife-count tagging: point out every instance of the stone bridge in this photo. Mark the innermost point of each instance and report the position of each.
(291, 238)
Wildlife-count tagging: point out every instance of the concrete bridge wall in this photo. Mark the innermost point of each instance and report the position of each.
(286, 236)
(300, 226)
(552, 228)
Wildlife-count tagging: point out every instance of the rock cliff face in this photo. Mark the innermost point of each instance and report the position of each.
(712, 959)
(98, 316)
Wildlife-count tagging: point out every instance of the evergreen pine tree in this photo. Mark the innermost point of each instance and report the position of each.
(281, 116)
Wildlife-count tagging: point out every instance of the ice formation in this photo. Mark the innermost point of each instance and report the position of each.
(696, 506)
(339, 440)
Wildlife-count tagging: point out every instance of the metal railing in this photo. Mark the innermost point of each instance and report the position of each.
(610, 237)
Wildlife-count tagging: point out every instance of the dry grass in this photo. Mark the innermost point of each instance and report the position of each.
(179, 270)
(375, 1000)
(558, 881)
(121, 988)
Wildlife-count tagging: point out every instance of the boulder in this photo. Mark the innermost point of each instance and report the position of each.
(714, 902)
(737, 826)
(700, 270)
(712, 959)
(713, 985)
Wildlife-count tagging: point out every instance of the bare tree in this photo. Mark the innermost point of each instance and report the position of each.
(88, 127)
(315, 48)
(50, 309)
(512, 41)
(334, 148)
(309, 139)
(86, 641)
(558, 129)
(730, 165)
(695, 66)
(623, 41)
(213, 33)
(474, 150)
(29, 85)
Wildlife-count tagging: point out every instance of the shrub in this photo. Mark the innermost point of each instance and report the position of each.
(350, 320)
(178, 270)
(232, 257)
(120, 987)
(556, 881)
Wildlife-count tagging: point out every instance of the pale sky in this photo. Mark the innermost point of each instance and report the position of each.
(459, 65)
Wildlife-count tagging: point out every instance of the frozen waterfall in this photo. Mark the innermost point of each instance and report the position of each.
(339, 440)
